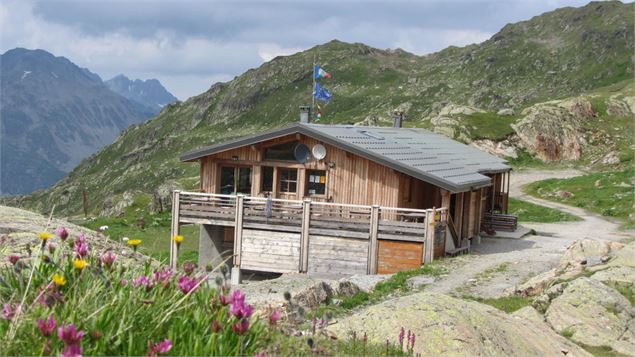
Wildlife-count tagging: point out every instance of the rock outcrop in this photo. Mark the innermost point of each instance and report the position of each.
(590, 313)
(448, 326)
(554, 130)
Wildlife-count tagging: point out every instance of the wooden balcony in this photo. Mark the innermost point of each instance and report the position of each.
(317, 237)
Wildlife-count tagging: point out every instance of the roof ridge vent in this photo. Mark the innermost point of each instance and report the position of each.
(370, 135)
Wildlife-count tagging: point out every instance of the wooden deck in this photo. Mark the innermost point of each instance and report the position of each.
(279, 235)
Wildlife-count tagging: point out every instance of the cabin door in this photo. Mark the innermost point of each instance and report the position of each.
(235, 179)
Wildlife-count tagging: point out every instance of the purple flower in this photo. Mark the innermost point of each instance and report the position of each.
(10, 310)
(274, 317)
(225, 300)
(189, 267)
(81, 248)
(81, 238)
(70, 335)
(239, 309)
(62, 233)
(160, 348)
(142, 281)
(123, 282)
(241, 326)
(108, 258)
(72, 351)
(14, 259)
(412, 341)
(163, 276)
(402, 334)
(51, 247)
(216, 326)
(260, 354)
(187, 284)
(47, 327)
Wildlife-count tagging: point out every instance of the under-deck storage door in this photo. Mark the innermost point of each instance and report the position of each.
(270, 251)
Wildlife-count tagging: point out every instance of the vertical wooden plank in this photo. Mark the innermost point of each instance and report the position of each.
(304, 236)
(429, 239)
(372, 248)
(301, 186)
(176, 196)
(238, 229)
(274, 188)
(256, 183)
(458, 215)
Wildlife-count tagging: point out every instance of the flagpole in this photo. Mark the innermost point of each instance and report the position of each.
(313, 89)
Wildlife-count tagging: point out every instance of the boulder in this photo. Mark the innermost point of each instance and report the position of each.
(617, 276)
(506, 112)
(537, 284)
(585, 251)
(417, 282)
(594, 314)
(528, 313)
(367, 283)
(311, 298)
(444, 325)
(611, 158)
(501, 149)
(454, 109)
(618, 107)
(162, 196)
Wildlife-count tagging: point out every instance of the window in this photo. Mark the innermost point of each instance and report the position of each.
(267, 179)
(288, 180)
(282, 152)
(317, 182)
(235, 180)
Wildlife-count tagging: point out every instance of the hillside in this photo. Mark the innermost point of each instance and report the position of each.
(54, 115)
(560, 54)
(149, 95)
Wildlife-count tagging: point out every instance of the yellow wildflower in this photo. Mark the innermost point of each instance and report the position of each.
(80, 264)
(178, 239)
(134, 243)
(59, 280)
(44, 236)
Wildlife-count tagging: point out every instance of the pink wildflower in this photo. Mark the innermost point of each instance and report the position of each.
(274, 317)
(160, 348)
(72, 351)
(13, 259)
(239, 309)
(62, 233)
(187, 284)
(81, 238)
(10, 310)
(108, 258)
(70, 335)
(163, 276)
(216, 326)
(142, 281)
(51, 247)
(402, 334)
(225, 300)
(189, 267)
(81, 248)
(241, 326)
(47, 327)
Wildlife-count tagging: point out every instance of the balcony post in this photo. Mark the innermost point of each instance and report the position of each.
(238, 230)
(373, 244)
(304, 236)
(176, 204)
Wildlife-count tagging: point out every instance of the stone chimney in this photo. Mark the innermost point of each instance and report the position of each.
(305, 114)
(397, 118)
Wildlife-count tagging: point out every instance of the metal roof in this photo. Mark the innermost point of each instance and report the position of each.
(419, 153)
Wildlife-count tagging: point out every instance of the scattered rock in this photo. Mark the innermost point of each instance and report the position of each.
(598, 183)
(454, 109)
(312, 297)
(617, 277)
(564, 194)
(501, 149)
(595, 315)
(506, 112)
(367, 283)
(537, 284)
(585, 249)
(418, 281)
(611, 158)
(345, 287)
(162, 196)
(444, 325)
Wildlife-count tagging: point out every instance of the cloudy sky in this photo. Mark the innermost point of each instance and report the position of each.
(189, 45)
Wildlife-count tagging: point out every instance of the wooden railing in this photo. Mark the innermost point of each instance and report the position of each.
(307, 218)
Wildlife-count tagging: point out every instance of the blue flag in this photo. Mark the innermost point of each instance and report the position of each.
(321, 93)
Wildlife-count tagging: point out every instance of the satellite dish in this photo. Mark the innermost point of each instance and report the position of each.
(301, 153)
(319, 151)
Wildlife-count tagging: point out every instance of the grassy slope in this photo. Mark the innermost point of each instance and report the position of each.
(607, 193)
(529, 212)
(594, 51)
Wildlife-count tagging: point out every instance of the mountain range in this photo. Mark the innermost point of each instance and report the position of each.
(150, 95)
(488, 89)
(54, 115)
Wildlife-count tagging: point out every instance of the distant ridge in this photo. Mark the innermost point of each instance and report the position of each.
(149, 94)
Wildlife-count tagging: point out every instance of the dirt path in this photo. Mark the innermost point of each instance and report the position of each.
(499, 264)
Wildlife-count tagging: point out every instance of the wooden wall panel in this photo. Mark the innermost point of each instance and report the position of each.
(332, 255)
(397, 256)
(269, 251)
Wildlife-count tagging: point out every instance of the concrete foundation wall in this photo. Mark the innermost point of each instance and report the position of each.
(211, 249)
